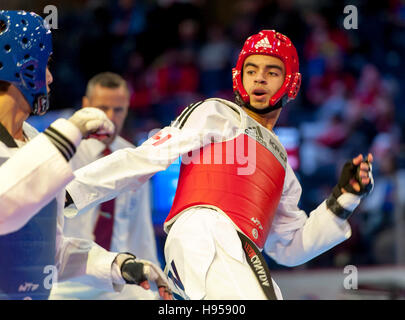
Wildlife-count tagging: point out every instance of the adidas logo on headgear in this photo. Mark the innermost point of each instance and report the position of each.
(263, 43)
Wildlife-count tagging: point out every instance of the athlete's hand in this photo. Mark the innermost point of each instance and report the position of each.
(92, 121)
(355, 182)
(357, 176)
(140, 272)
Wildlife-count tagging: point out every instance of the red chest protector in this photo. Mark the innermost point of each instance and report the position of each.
(242, 177)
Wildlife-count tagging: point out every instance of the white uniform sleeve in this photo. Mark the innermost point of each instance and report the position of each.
(139, 234)
(30, 178)
(296, 238)
(129, 168)
(33, 175)
(83, 260)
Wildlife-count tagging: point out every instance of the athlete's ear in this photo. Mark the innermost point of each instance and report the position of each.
(85, 102)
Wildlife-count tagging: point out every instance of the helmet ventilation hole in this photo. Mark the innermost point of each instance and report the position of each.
(7, 47)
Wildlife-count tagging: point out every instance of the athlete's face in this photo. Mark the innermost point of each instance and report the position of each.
(114, 102)
(262, 77)
(49, 79)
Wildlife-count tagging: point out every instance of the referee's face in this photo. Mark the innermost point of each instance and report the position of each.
(114, 102)
(262, 77)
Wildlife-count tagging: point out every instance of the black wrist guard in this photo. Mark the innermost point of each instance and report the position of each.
(348, 173)
(334, 206)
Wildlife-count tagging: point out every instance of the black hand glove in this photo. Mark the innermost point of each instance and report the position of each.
(349, 172)
(343, 204)
(136, 271)
(131, 270)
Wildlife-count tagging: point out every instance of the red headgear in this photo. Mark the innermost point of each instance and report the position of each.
(272, 43)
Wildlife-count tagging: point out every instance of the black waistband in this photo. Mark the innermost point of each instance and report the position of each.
(258, 265)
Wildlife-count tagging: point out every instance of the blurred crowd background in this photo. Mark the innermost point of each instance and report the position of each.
(174, 53)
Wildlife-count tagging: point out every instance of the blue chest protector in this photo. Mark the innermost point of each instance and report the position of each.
(26, 253)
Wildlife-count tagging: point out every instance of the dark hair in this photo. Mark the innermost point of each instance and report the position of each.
(107, 80)
(4, 85)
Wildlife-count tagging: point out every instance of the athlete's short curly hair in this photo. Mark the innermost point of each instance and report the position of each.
(4, 85)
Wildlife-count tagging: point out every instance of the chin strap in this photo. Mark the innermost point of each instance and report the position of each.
(278, 105)
(41, 105)
(240, 102)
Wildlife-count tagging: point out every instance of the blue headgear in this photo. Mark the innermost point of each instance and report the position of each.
(25, 47)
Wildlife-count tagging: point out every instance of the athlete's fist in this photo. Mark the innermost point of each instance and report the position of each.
(92, 121)
(355, 182)
(357, 176)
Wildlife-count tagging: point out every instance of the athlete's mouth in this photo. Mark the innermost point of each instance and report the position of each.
(259, 92)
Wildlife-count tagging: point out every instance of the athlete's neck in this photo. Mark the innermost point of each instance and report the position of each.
(14, 110)
(267, 120)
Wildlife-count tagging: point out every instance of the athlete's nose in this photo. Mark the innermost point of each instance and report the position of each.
(259, 77)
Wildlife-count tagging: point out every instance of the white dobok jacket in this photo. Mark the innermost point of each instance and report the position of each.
(31, 176)
(294, 237)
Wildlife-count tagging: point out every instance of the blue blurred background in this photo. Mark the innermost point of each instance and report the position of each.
(174, 53)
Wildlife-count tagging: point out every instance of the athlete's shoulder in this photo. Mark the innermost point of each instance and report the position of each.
(224, 104)
(207, 108)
